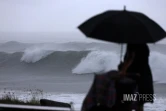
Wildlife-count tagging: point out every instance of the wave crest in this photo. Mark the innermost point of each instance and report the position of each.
(33, 55)
(102, 61)
(97, 62)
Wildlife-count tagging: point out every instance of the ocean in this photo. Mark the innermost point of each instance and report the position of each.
(65, 71)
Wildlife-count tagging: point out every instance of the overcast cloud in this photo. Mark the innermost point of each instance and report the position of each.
(57, 16)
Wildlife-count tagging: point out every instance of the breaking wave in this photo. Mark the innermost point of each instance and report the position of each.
(40, 62)
(98, 62)
(35, 54)
(78, 62)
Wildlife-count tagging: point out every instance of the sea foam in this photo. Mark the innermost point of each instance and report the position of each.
(102, 61)
(35, 54)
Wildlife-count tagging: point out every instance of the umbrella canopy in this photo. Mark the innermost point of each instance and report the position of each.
(123, 27)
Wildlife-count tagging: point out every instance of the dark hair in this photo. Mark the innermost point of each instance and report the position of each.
(139, 49)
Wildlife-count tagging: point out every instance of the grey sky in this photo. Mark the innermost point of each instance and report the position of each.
(51, 16)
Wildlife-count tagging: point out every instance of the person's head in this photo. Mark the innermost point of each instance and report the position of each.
(140, 48)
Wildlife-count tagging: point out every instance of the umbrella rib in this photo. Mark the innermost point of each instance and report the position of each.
(142, 24)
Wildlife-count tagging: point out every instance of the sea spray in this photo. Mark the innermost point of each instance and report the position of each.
(158, 66)
(97, 62)
(103, 61)
(33, 55)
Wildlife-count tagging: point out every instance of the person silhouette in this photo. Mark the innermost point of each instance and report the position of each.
(136, 60)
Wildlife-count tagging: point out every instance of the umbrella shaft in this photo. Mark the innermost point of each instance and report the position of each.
(121, 52)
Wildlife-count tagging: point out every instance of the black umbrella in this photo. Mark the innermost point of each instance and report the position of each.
(123, 27)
